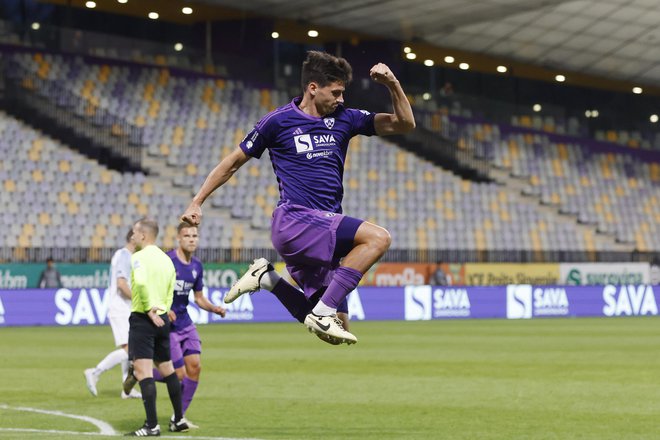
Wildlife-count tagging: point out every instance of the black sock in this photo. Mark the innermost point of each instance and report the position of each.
(174, 389)
(148, 387)
(293, 299)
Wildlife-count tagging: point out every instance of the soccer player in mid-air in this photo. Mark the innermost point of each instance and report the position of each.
(326, 252)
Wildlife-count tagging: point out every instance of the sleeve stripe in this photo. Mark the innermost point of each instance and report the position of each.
(271, 114)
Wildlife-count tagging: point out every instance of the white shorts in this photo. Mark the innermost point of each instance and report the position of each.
(119, 327)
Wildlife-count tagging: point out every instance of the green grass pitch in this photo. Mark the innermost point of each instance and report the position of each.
(479, 379)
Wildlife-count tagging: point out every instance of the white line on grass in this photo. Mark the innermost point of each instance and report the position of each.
(104, 428)
(54, 431)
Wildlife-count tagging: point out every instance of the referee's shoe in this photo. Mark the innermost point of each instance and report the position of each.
(145, 431)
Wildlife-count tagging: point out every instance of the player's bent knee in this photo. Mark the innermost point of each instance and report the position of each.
(373, 235)
(382, 239)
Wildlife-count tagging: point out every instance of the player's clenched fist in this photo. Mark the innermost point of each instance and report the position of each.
(382, 74)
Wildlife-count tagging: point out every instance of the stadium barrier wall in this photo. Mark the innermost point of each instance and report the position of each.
(89, 275)
(82, 307)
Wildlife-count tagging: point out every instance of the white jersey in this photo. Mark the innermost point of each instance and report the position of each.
(120, 267)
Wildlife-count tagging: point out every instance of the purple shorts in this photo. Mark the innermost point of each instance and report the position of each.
(311, 243)
(184, 342)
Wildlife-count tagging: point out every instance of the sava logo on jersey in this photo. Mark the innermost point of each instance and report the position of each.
(306, 142)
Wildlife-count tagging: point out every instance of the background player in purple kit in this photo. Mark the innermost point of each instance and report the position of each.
(185, 345)
(326, 252)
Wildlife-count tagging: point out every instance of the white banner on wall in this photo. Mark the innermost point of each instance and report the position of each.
(590, 274)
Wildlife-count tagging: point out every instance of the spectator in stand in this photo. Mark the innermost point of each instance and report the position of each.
(447, 91)
(50, 277)
(655, 272)
(439, 277)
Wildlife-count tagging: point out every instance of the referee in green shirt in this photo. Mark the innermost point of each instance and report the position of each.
(152, 284)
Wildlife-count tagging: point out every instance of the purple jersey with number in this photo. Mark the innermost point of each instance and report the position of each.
(188, 277)
(308, 152)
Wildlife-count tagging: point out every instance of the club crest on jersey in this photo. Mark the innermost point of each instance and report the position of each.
(329, 122)
(194, 273)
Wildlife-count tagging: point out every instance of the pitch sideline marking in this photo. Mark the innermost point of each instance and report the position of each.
(104, 428)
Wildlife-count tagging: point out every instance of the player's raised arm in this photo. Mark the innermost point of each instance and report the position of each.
(216, 178)
(402, 120)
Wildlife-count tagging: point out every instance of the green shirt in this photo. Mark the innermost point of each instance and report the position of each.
(152, 280)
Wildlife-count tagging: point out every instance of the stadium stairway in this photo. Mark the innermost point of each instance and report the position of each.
(517, 185)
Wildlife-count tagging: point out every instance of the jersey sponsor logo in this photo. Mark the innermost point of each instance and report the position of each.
(303, 143)
(182, 287)
(252, 137)
(324, 153)
(629, 300)
(329, 122)
(306, 142)
(324, 140)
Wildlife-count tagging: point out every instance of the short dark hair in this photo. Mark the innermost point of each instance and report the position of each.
(323, 69)
(150, 224)
(185, 225)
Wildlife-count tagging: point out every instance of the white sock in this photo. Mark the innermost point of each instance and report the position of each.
(124, 368)
(269, 279)
(113, 358)
(320, 309)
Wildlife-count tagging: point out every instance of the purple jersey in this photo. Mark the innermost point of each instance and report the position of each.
(307, 152)
(188, 277)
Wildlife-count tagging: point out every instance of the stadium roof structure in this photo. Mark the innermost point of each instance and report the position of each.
(613, 39)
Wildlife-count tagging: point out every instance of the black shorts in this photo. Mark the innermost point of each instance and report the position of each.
(146, 341)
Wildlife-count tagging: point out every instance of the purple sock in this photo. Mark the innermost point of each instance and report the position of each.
(293, 299)
(157, 376)
(345, 280)
(188, 388)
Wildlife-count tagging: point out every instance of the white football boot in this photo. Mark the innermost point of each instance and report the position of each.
(249, 282)
(331, 327)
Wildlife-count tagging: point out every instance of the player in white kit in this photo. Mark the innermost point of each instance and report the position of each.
(119, 310)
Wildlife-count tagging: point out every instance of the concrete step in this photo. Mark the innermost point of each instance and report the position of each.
(516, 185)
